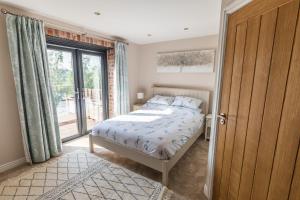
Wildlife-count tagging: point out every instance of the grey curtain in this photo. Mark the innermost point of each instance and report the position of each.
(27, 46)
(121, 80)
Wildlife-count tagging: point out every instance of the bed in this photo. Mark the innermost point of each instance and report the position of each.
(156, 135)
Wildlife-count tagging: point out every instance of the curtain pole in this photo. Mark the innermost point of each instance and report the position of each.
(4, 12)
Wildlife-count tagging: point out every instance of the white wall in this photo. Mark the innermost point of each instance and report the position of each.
(11, 147)
(133, 72)
(227, 2)
(147, 65)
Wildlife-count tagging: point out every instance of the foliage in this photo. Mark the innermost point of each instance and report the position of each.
(62, 75)
(90, 73)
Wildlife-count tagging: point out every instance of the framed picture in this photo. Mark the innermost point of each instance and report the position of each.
(195, 61)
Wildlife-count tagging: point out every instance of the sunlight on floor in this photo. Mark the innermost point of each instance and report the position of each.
(82, 142)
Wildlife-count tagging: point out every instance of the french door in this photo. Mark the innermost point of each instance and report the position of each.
(78, 80)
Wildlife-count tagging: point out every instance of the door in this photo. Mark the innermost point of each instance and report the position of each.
(63, 78)
(78, 83)
(93, 84)
(257, 153)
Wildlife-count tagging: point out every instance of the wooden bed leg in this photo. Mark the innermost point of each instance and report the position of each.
(165, 173)
(91, 143)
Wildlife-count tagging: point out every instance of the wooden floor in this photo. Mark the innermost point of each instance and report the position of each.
(187, 178)
(68, 130)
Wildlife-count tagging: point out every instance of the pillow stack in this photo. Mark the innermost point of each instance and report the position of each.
(181, 101)
(187, 102)
(164, 100)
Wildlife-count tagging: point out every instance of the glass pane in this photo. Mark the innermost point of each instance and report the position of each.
(92, 79)
(62, 82)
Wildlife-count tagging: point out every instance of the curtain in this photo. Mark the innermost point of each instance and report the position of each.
(38, 117)
(121, 79)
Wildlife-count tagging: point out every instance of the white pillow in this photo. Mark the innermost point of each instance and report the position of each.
(187, 102)
(164, 100)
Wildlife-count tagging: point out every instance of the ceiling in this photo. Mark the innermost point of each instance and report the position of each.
(133, 20)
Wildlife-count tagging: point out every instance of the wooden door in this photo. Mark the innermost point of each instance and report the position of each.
(257, 154)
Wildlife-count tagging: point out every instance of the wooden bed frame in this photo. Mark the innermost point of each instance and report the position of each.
(163, 166)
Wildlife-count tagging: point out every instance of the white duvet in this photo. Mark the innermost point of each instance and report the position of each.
(157, 130)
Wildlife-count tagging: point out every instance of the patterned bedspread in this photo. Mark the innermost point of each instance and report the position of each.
(157, 130)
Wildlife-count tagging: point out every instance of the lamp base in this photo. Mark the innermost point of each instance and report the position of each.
(140, 101)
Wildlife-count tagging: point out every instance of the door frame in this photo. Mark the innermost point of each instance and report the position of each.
(225, 12)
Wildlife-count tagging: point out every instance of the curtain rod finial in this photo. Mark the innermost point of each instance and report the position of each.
(4, 11)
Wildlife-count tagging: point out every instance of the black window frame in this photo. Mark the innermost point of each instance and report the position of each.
(77, 49)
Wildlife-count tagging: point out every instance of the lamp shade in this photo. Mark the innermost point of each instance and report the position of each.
(140, 95)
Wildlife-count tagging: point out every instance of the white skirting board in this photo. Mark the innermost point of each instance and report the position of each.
(205, 190)
(12, 164)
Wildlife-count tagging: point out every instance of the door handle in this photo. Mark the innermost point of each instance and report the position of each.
(77, 93)
(83, 94)
(222, 117)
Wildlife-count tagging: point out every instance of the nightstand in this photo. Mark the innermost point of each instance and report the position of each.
(207, 126)
(137, 106)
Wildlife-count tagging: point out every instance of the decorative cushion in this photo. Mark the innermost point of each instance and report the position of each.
(164, 100)
(187, 102)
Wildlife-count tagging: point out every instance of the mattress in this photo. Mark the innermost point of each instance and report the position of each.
(156, 130)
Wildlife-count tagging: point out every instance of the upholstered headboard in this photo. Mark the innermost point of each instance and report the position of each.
(196, 93)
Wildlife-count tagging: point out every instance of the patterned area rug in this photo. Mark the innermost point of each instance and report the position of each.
(79, 176)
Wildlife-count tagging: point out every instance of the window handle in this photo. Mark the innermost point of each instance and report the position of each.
(77, 93)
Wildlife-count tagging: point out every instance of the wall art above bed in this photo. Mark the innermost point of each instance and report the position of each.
(192, 61)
